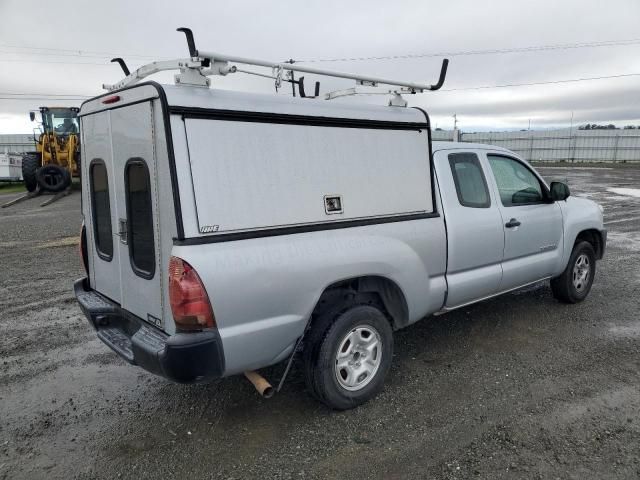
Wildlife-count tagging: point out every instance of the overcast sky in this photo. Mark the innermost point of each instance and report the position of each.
(66, 34)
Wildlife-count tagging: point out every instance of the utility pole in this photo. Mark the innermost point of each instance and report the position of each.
(456, 133)
(571, 124)
(573, 151)
(529, 124)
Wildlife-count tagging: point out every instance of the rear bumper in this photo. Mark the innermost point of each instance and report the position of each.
(183, 357)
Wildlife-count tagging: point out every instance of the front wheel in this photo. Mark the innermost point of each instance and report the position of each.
(574, 284)
(53, 178)
(348, 356)
(30, 166)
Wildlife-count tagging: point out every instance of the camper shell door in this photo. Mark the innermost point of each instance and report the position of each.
(120, 203)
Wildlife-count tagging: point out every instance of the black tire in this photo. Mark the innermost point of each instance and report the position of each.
(53, 178)
(30, 166)
(570, 287)
(328, 334)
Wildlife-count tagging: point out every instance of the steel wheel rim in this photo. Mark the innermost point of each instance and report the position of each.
(358, 357)
(581, 272)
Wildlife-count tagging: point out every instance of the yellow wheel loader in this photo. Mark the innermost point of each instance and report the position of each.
(57, 155)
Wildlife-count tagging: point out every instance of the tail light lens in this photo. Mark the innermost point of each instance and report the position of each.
(190, 303)
(112, 99)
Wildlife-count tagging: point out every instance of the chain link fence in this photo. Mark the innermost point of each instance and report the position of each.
(569, 145)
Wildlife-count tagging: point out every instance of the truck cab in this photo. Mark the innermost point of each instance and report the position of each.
(505, 228)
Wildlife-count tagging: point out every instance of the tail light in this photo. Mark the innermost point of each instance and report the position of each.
(112, 99)
(82, 247)
(190, 303)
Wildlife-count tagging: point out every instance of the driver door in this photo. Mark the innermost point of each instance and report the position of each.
(532, 224)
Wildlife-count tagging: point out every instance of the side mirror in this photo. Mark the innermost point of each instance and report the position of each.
(559, 191)
(32, 116)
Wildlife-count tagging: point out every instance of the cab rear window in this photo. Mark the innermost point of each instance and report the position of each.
(140, 218)
(99, 185)
(471, 186)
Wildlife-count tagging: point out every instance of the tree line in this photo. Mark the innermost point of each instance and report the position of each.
(611, 126)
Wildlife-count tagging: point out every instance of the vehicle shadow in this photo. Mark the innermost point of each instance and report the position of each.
(454, 378)
(433, 345)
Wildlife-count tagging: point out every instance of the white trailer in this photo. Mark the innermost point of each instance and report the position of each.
(10, 167)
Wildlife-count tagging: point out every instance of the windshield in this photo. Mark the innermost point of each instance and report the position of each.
(60, 121)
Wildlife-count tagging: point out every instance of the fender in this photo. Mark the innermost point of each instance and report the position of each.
(579, 214)
(284, 277)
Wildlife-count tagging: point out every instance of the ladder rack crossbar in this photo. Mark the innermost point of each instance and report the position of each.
(418, 87)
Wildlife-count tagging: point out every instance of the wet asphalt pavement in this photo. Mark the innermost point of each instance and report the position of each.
(520, 386)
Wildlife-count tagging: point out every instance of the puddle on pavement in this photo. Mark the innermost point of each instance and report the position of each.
(61, 242)
(627, 192)
(627, 331)
(627, 240)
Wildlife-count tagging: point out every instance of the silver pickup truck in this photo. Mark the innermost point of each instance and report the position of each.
(226, 231)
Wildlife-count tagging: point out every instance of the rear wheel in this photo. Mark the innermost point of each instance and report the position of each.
(574, 284)
(30, 165)
(348, 356)
(53, 178)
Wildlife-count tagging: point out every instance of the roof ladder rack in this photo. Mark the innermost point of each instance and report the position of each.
(201, 64)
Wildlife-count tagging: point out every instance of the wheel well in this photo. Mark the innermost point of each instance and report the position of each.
(594, 238)
(372, 289)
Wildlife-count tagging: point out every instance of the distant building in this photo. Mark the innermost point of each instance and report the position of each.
(17, 143)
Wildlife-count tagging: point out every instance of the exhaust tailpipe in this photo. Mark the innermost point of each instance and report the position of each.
(263, 387)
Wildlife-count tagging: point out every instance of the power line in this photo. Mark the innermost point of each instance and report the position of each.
(550, 82)
(70, 52)
(497, 51)
(104, 64)
(45, 98)
(49, 54)
(48, 51)
(40, 96)
(45, 94)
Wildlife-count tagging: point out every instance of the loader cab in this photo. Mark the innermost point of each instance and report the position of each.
(58, 120)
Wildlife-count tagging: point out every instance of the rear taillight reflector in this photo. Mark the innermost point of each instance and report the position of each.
(112, 99)
(189, 301)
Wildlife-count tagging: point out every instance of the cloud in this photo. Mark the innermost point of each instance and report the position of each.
(288, 29)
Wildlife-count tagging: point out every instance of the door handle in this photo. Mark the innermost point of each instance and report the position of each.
(512, 223)
(122, 230)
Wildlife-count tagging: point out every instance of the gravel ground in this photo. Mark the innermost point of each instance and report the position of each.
(515, 387)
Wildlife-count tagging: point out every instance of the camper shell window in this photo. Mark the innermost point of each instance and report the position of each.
(140, 218)
(101, 208)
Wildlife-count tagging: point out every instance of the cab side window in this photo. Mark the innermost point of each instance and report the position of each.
(471, 186)
(516, 183)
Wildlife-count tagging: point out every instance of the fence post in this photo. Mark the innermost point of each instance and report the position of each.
(531, 149)
(615, 148)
